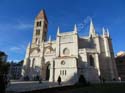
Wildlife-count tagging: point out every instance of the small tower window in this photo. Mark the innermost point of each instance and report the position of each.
(91, 60)
(38, 24)
(38, 32)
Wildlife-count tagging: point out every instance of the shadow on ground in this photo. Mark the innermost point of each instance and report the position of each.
(90, 88)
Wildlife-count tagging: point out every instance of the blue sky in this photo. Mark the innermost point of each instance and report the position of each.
(17, 19)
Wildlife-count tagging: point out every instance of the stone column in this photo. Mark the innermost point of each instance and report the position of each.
(97, 41)
(108, 57)
(75, 39)
(106, 45)
(97, 63)
(41, 75)
(57, 46)
(53, 70)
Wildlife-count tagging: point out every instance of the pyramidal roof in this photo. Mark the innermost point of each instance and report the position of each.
(42, 15)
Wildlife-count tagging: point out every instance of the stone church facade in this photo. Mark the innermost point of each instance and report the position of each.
(69, 56)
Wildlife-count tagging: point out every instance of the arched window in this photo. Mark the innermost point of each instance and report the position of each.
(38, 32)
(66, 52)
(38, 24)
(65, 72)
(91, 60)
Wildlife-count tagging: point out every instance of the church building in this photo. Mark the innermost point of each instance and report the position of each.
(69, 56)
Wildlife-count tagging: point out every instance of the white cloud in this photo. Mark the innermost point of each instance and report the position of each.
(20, 49)
(16, 25)
(21, 26)
(15, 48)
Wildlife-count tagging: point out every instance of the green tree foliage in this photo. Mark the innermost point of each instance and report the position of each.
(4, 66)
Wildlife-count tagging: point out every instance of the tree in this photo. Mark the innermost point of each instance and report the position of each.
(3, 76)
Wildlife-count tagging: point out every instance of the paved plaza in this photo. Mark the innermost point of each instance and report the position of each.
(21, 86)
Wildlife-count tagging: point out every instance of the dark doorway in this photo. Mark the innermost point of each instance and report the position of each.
(82, 80)
(48, 72)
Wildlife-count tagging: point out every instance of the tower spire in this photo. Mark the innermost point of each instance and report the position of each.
(75, 28)
(40, 29)
(42, 15)
(92, 29)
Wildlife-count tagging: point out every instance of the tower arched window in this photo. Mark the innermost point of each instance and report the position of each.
(91, 60)
(38, 24)
(37, 31)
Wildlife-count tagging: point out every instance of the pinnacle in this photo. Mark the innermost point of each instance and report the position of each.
(92, 29)
(58, 30)
(75, 27)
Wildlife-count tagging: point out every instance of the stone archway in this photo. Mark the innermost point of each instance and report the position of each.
(47, 71)
(82, 79)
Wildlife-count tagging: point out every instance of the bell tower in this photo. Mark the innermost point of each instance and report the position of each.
(40, 29)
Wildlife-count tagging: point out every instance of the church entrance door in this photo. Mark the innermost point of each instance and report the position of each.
(82, 79)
